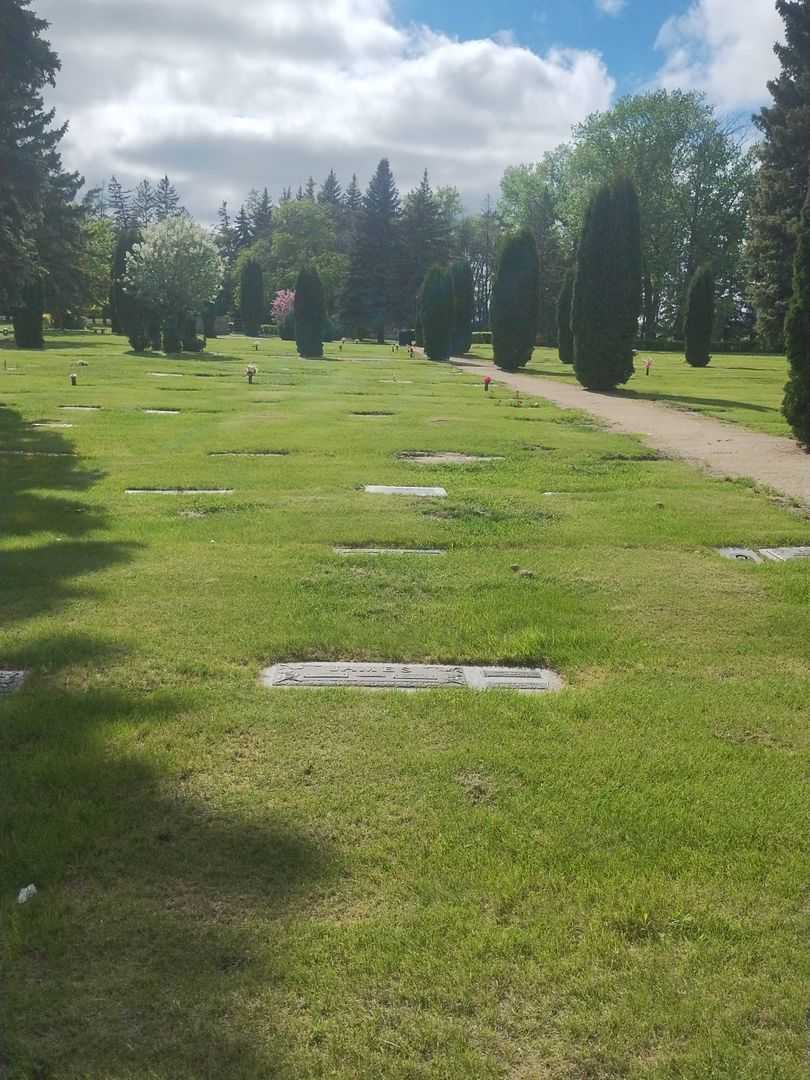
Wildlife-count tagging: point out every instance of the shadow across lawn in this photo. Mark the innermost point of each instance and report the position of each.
(685, 399)
(138, 956)
(36, 577)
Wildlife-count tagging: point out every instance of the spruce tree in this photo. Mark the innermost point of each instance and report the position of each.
(607, 289)
(309, 191)
(243, 230)
(27, 318)
(782, 181)
(565, 336)
(515, 298)
(464, 303)
(144, 205)
(251, 303)
(353, 199)
(120, 204)
(424, 239)
(330, 193)
(310, 313)
(437, 313)
(796, 405)
(167, 201)
(372, 295)
(260, 211)
(699, 320)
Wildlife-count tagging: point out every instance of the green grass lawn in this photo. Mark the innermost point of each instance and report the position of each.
(746, 390)
(244, 883)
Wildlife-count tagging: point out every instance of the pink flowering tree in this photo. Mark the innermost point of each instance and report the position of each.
(283, 305)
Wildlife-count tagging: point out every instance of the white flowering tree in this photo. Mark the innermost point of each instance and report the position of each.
(172, 273)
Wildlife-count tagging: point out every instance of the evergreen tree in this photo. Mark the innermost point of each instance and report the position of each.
(27, 318)
(424, 234)
(120, 203)
(260, 211)
(699, 321)
(437, 310)
(243, 230)
(225, 235)
(464, 303)
(309, 193)
(299, 195)
(121, 304)
(144, 206)
(167, 201)
(252, 298)
(310, 313)
(372, 293)
(565, 335)
(796, 406)
(515, 297)
(353, 199)
(330, 193)
(782, 181)
(607, 289)
(285, 196)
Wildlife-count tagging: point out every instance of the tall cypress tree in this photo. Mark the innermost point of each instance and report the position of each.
(699, 321)
(782, 181)
(796, 405)
(463, 305)
(437, 310)
(251, 305)
(310, 313)
(607, 289)
(372, 295)
(515, 300)
(565, 335)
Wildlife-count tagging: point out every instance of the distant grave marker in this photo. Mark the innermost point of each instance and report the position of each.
(81, 408)
(418, 492)
(248, 453)
(445, 458)
(162, 412)
(11, 681)
(179, 491)
(346, 550)
(382, 676)
(52, 424)
(761, 555)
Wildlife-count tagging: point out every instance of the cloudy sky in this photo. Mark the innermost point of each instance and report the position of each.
(229, 96)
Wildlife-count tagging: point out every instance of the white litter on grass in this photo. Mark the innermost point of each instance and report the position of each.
(418, 492)
(179, 491)
(383, 676)
(27, 893)
(342, 550)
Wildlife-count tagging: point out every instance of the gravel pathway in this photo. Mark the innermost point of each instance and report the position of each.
(724, 449)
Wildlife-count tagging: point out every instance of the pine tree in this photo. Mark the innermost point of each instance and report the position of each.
(353, 199)
(252, 298)
(424, 234)
(299, 195)
(144, 206)
(699, 320)
(607, 289)
(796, 406)
(782, 182)
(330, 193)
(309, 192)
(243, 230)
(310, 313)
(167, 201)
(120, 202)
(565, 335)
(285, 196)
(260, 212)
(464, 303)
(436, 314)
(27, 318)
(515, 297)
(372, 293)
(225, 235)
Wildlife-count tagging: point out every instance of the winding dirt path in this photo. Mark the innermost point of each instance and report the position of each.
(724, 449)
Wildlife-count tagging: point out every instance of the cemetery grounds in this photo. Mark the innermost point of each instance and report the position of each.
(235, 881)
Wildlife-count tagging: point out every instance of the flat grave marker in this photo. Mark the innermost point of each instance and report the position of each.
(761, 555)
(162, 412)
(81, 408)
(383, 676)
(418, 492)
(348, 550)
(448, 457)
(11, 681)
(52, 424)
(179, 491)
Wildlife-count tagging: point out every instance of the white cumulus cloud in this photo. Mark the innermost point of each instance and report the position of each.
(724, 47)
(227, 97)
(611, 7)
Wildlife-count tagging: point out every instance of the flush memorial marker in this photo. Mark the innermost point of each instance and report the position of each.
(418, 492)
(379, 676)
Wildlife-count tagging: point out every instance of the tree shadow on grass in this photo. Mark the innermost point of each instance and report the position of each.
(684, 399)
(160, 921)
(34, 578)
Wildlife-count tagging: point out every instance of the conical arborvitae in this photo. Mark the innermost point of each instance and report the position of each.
(464, 301)
(437, 313)
(699, 320)
(123, 310)
(310, 313)
(607, 288)
(28, 318)
(251, 305)
(565, 335)
(515, 302)
(796, 406)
